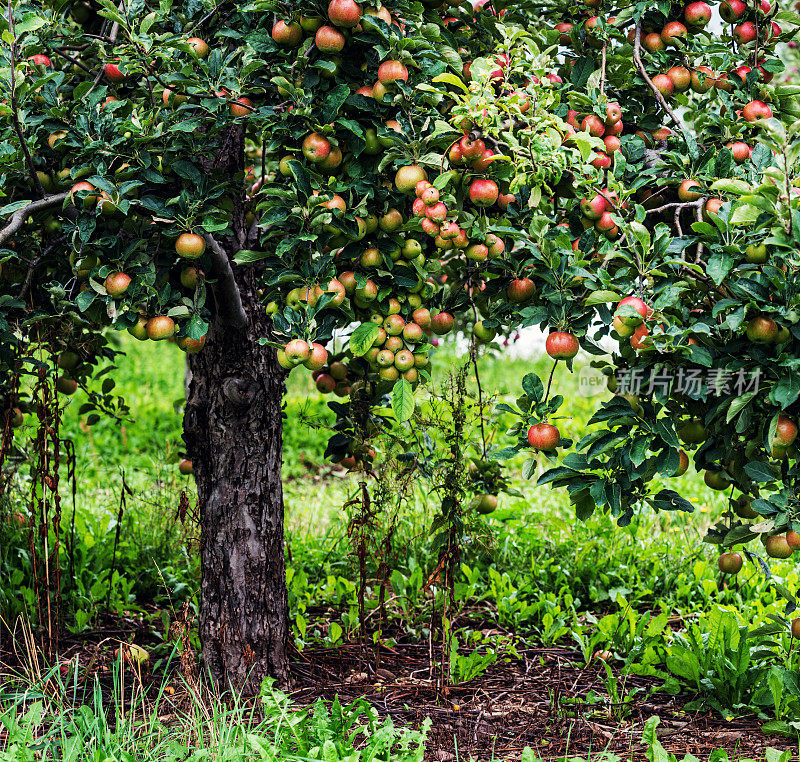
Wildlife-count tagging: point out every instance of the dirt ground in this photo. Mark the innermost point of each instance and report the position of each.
(546, 699)
(542, 700)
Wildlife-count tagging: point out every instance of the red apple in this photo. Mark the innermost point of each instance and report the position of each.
(344, 13)
(483, 192)
(316, 147)
(756, 110)
(442, 323)
(697, 14)
(639, 306)
(289, 35)
(160, 327)
(672, 31)
(520, 290)
(117, 283)
(113, 74)
(732, 10)
(390, 72)
(544, 436)
(241, 107)
(190, 245)
(561, 345)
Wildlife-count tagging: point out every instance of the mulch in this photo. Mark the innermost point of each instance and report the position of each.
(547, 699)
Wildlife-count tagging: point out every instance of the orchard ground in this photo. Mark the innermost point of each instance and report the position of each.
(568, 636)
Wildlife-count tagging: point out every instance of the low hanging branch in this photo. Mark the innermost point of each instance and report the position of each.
(228, 299)
(662, 101)
(26, 211)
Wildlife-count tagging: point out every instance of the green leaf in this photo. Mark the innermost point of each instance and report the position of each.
(533, 387)
(642, 235)
(759, 472)
(275, 215)
(504, 454)
(402, 400)
(669, 500)
(196, 328)
(744, 214)
(786, 391)
(529, 468)
(451, 79)
(638, 450)
(363, 338)
(333, 102)
(738, 404)
(581, 71)
(719, 265)
(302, 178)
(85, 299)
(739, 187)
(602, 297)
(246, 256)
(29, 23)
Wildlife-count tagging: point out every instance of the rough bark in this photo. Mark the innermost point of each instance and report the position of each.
(232, 431)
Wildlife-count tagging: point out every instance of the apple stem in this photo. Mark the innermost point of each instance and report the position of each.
(550, 380)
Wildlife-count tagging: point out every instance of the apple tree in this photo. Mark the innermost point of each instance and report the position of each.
(245, 179)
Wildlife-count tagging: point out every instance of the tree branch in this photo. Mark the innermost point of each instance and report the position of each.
(26, 211)
(637, 62)
(14, 107)
(676, 205)
(228, 299)
(74, 61)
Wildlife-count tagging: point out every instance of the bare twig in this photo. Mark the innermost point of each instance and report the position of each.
(206, 18)
(678, 204)
(228, 299)
(26, 211)
(74, 61)
(111, 40)
(699, 217)
(676, 219)
(473, 355)
(26, 284)
(14, 106)
(550, 381)
(603, 69)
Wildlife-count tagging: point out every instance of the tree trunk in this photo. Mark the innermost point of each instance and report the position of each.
(232, 430)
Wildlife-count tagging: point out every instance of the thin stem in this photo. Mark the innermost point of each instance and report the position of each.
(550, 380)
(15, 106)
(637, 61)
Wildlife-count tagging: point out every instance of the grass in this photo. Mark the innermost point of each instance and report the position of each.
(545, 577)
(43, 721)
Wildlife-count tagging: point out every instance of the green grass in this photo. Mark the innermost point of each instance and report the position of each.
(42, 722)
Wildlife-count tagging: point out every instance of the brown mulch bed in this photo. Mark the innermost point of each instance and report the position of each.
(546, 699)
(538, 700)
